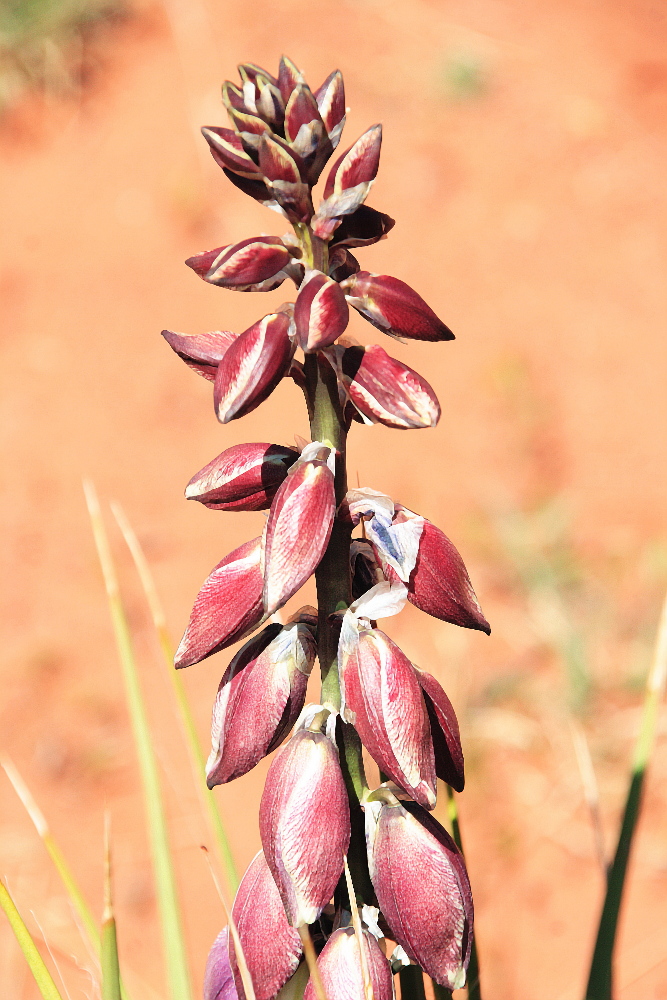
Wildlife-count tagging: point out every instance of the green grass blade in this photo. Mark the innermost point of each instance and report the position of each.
(43, 977)
(600, 980)
(80, 905)
(472, 978)
(187, 719)
(172, 933)
(111, 989)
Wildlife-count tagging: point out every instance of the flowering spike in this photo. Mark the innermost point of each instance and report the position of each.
(384, 390)
(330, 99)
(444, 732)
(394, 307)
(298, 527)
(342, 972)
(202, 352)
(218, 978)
(244, 477)
(253, 366)
(383, 701)
(228, 606)
(272, 949)
(304, 821)
(422, 887)
(245, 265)
(260, 697)
(320, 312)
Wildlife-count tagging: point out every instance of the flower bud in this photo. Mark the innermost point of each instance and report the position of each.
(439, 583)
(227, 607)
(202, 352)
(253, 366)
(349, 182)
(362, 227)
(218, 977)
(229, 153)
(341, 970)
(279, 166)
(321, 313)
(382, 699)
(384, 390)
(260, 698)
(330, 99)
(271, 947)
(299, 525)
(304, 129)
(394, 307)
(364, 567)
(444, 731)
(304, 821)
(244, 477)
(422, 887)
(256, 264)
(289, 75)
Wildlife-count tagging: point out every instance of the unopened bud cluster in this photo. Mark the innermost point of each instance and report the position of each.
(415, 891)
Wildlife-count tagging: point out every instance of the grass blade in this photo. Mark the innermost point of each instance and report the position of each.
(43, 977)
(192, 739)
(474, 987)
(244, 972)
(109, 951)
(80, 905)
(172, 933)
(359, 934)
(600, 980)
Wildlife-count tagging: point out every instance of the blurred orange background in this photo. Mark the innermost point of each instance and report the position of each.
(524, 159)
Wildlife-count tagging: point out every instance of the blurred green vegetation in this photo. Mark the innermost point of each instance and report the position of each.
(44, 43)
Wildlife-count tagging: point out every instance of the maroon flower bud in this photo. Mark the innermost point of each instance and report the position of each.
(282, 173)
(382, 699)
(253, 366)
(261, 94)
(444, 731)
(227, 607)
(299, 525)
(202, 352)
(289, 75)
(422, 887)
(218, 977)
(394, 307)
(304, 821)
(342, 263)
(271, 947)
(256, 264)
(341, 970)
(320, 312)
(260, 698)
(229, 152)
(244, 477)
(304, 128)
(363, 227)
(439, 583)
(330, 99)
(384, 390)
(349, 182)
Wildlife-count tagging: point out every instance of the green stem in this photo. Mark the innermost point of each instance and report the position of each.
(474, 988)
(333, 574)
(600, 980)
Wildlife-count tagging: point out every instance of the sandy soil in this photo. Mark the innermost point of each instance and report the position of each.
(524, 159)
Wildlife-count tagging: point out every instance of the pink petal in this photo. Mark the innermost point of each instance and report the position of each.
(244, 477)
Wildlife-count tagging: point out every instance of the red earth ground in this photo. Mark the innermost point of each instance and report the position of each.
(524, 160)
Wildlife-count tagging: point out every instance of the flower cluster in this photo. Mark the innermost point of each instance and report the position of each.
(410, 880)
